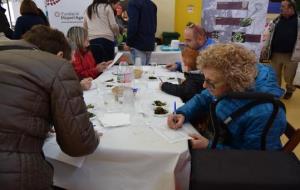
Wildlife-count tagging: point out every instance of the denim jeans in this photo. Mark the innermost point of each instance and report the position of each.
(144, 55)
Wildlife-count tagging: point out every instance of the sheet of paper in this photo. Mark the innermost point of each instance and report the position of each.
(114, 119)
(117, 57)
(53, 151)
(97, 125)
(154, 85)
(171, 135)
(94, 86)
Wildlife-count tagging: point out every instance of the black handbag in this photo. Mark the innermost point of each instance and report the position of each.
(244, 169)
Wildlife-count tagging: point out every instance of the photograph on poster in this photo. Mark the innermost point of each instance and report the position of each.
(236, 21)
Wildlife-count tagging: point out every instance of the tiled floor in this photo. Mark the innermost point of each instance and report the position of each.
(293, 114)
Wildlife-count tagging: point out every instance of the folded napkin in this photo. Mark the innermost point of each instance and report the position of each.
(114, 119)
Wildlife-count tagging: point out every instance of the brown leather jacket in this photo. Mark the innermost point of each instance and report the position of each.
(38, 90)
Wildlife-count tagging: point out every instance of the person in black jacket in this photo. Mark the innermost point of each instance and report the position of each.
(4, 25)
(30, 16)
(193, 83)
(141, 29)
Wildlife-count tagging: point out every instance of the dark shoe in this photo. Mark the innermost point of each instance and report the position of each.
(287, 95)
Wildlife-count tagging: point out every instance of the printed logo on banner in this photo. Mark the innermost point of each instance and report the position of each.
(64, 14)
(57, 14)
(52, 2)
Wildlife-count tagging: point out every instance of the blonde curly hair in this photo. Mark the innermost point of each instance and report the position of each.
(234, 62)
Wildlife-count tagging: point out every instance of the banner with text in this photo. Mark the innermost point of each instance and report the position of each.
(64, 14)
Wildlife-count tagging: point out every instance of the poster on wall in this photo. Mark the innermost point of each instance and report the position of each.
(64, 14)
(239, 21)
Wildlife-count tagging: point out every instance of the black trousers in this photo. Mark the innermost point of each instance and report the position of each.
(102, 49)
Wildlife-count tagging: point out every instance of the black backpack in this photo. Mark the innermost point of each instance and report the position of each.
(254, 100)
(244, 169)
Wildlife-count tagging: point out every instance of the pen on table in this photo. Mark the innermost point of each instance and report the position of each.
(160, 79)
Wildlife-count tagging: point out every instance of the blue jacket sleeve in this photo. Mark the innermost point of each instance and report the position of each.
(178, 66)
(195, 105)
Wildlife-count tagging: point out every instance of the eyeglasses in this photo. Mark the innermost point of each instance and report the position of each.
(213, 85)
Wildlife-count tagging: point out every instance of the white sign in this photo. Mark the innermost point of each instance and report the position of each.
(64, 14)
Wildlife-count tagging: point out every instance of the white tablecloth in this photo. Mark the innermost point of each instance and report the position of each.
(162, 57)
(131, 157)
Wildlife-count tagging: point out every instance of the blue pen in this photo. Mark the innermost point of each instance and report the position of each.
(174, 112)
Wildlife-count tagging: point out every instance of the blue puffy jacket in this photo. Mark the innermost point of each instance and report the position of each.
(246, 130)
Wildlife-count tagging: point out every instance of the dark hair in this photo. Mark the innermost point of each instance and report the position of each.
(292, 4)
(49, 40)
(92, 8)
(28, 7)
(43, 16)
(114, 1)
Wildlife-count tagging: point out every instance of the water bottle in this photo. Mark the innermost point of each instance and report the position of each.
(121, 72)
(128, 74)
(138, 63)
(124, 73)
(138, 70)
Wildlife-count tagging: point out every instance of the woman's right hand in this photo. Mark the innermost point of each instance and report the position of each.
(101, 67)
(175, 121)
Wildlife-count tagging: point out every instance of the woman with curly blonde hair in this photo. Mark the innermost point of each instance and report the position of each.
(233, 68)
(231, 63)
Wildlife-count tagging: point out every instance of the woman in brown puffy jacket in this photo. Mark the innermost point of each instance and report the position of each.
(39, 90)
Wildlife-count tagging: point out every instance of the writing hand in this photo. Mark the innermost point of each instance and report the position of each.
(175, 121)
